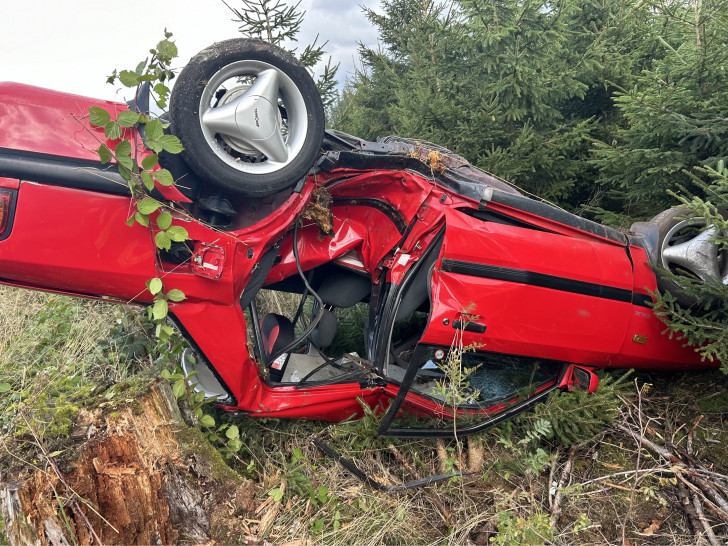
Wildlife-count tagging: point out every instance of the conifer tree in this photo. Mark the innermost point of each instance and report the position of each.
(276, 22)
(675, 110)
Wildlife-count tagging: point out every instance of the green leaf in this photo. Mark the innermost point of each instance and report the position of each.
(127, 118)
(165, 374)
(161, 89)
(147, 180)
(178, 389)
(160, 309)
(123, 171)
(176, 295)
(98, 117)
(126, 161)
(276, 493)
(171, 144)
(207, 421)
(149, 162)
(235, 445)
(148, 205)
(322, 494)
(104, 153)
(5, 387)
(55, 453)
(154, 285)
(164, 220)
(154, 130)
(140, 67)
(233, 432)
(130, 221)
(128, 78)
(154, 145)
(177, 233)
(162, 240)
(167, 49)
(123, 148)
(112, 130)
(164, 177)
(142, 219)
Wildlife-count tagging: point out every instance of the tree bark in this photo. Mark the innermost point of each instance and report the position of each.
(133, 482)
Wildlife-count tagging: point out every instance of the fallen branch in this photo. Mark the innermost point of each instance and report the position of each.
(697, 491)
(552, 472)
(704, 521)
(556, 510)
(659, 450)
(694, 491)
(710, 490)
(684, 498)
(655, 470)
(622, 487)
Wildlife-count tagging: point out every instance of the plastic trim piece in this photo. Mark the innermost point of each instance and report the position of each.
(62, 171)
(544, 210)
(542, 280)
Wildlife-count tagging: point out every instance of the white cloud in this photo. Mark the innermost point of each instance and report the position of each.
(73, 46)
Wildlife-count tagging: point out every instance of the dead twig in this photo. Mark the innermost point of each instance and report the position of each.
(704, 521)
(552, 472)
(659, 450)
(693, 520)
(556, 510)
(622, 487)
(655, 470)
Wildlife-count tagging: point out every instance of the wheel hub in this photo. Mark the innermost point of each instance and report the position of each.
(697, 255)
(238, 144)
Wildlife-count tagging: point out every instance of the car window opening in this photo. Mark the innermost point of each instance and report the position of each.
(312, 335)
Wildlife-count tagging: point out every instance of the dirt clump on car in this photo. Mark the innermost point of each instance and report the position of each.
(319, 212)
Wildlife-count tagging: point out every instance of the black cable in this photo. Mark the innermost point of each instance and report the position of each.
(314, 322)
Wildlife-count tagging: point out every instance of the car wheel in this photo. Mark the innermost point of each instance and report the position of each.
(687, 249)
(249, 116)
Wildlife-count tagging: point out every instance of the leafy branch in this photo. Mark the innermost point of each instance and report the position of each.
(144, 173)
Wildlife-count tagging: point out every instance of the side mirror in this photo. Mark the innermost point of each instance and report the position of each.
(581, 379)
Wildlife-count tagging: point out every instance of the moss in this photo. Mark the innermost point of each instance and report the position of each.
(717, 404)
(194, 442)
(126, 394)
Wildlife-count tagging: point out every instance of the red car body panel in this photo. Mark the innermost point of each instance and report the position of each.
(537, 287)
(32, 119)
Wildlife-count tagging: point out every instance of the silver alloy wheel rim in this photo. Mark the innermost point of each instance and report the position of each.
(251, 120)
(699, 255)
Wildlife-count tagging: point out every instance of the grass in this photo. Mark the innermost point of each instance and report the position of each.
(58, 355)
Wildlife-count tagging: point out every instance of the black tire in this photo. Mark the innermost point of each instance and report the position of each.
(221, 75)
(673, 229)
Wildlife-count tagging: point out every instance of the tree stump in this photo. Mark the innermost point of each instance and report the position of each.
(141, 476)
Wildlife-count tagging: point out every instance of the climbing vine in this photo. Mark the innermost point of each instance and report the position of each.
(141, 170)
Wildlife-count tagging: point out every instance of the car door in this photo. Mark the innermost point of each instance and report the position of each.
(511, 308)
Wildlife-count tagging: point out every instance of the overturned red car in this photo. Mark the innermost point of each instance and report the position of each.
(445, 267)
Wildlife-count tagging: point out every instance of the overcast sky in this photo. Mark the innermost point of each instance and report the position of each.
(73, 46)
